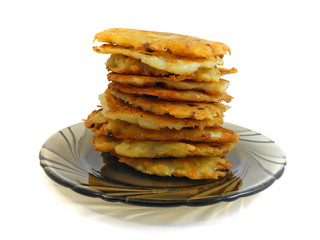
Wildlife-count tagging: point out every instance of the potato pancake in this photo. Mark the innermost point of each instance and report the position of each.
(150, 41)
(171, 94)
(198, 111)
(123, 64)
(150, 81)
(115, 109)
(166, 61)
(158, 149)
(125, 130)
(190, 167)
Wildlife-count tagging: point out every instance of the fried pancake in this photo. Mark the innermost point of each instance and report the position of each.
(123, 64)
(115, 109)
(166, 61)
(191, 167)
(150, 41)
(171, 94)
(158, 149)
(150, 81)
(194, 110)
(122, 129)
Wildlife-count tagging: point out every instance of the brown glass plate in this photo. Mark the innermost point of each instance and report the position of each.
(69, 159)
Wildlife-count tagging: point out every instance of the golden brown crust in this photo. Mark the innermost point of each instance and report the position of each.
(191, 167)
(95, 126)
(150, 41)
(115, 109)
(167, 62)
(224, 71)
(127, 65)
(171, 94)
(162, 111)
(101, 143)
(125, 130)
(150, 81)
(158, 149)
(194, 110)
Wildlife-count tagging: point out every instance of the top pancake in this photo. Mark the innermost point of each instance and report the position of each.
(150, 41)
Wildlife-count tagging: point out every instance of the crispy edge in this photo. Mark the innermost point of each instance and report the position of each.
(126, 130)
(172, 95)
(190, 167)
(194, 110)
(151, 81)
(127, 65)
(116, 109)
(151, 41)
(168, 62)
(159, 149)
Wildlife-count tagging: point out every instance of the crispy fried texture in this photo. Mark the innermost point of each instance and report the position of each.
(123, 64)
(225, 71)
(150, 81)
(171, 94)
(127, 65)
(95, 118)
(194, 110)
(102, 144)
(122, 129)
(162, 112)
(166, 61)
(158, 149)
(115, 109)
(191, 167)
(150, 41)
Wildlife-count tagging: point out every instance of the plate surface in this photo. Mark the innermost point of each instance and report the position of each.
(69, 159)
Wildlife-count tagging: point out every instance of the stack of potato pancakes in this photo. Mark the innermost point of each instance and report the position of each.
(162, 111)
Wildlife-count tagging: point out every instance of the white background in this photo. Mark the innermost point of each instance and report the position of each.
(51, 78)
